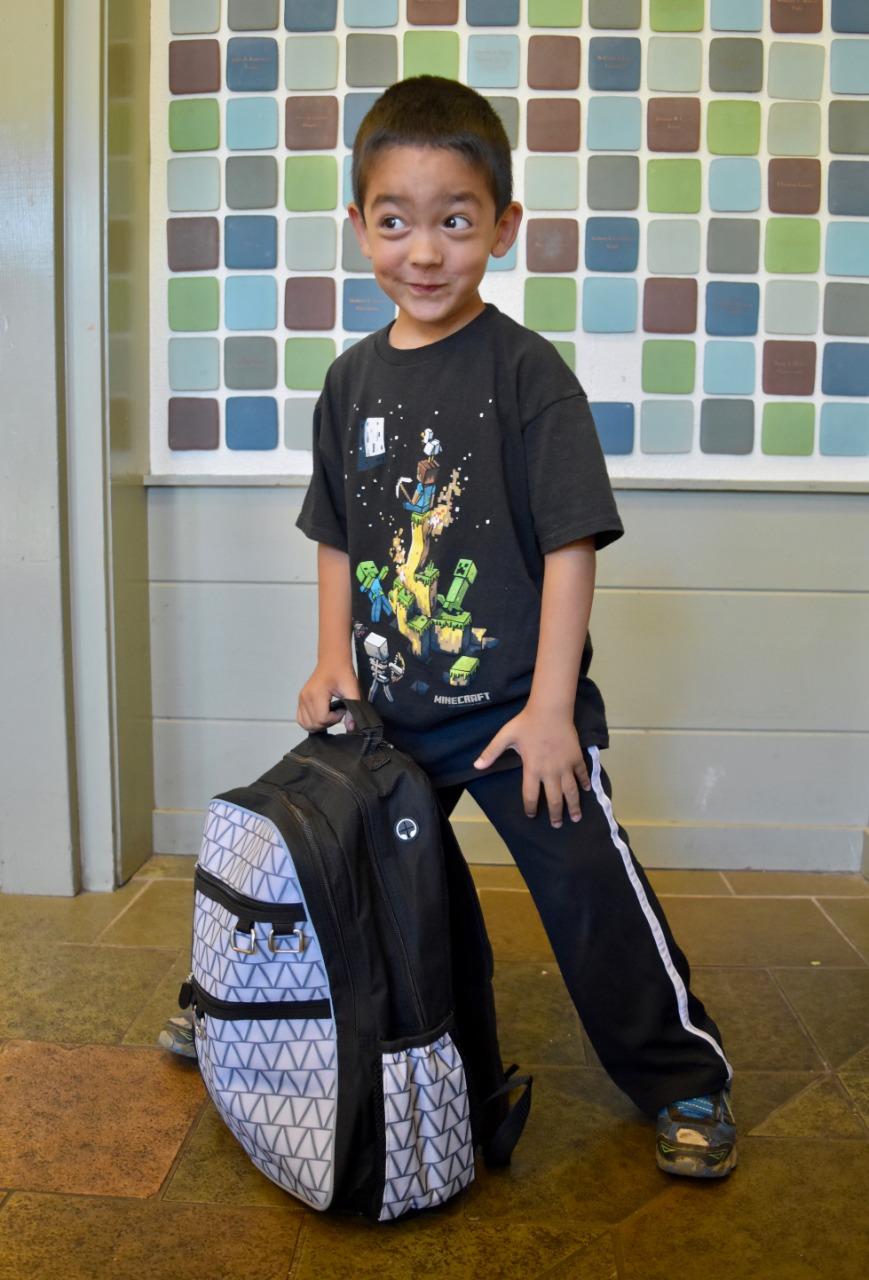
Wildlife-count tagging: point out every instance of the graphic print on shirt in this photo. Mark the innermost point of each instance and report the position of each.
(436, 626)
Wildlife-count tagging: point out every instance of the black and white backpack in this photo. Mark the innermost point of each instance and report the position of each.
(341, 981)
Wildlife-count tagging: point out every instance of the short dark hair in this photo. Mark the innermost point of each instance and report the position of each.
(432, 111)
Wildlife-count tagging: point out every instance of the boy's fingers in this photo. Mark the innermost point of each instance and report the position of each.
(530, 794)
(571, 797)
(495, 748)
(554, 800)
(582, 773)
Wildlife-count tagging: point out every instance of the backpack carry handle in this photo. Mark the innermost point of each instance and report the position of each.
(365, 718)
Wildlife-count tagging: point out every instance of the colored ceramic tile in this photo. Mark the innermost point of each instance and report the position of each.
(194, 364)
(251, 182)
(251, 422)
(194, 17)
(789, 368)
(311, 62)
(553, 124)
(310, 182)
(507, 261)
(670, 306)
(788, 430)
(507, 110)
(552, 244)
(844, 431)
(800, 17)
(848, 187)
(251, 124)
(850, 16)
(675, 64)
(251, 64)
(733, 246)
(614, 124)
(250, 364)
(736, 15)
(673, 186)
(794, 129)
(433, 13)
(796, 70)
(252, 15)
(735, 65)
(791, 306)
(194, 125)
(299, 422)
(553, 62)
(551, 182)
(676, 15)
(306, 361)
(847, 252)
(673, 124)
(794, 186)
(251, 302)
(733, 128)
(732, 309)
(365, 307)
(846, 369)
(792, 245)
(309, 302)
(194, 304)
(192, 244)
(194, 66)
(846, 310)
(371, 13)
(301, 15)
(614, 421)
(673, 246)
(356, 107)
(193, 184)
(666, 426)
(612, 244)
(668, 366)
(251, 243)
(433, 53)
(550, 304)
(352, 257)
(849, 128)
(193, 423)
(613, 182)
(370, 60)
(567, 351)
(311, 122)
(492, 13)
(734, 185)
(615, 15)
(727, 426)
(609, 305)
(614, 63)
(728, 369)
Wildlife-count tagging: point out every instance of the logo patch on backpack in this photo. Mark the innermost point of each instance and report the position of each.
(406, 829)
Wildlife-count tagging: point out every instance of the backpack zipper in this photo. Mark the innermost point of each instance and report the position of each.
(247, 910)
(237, 1010)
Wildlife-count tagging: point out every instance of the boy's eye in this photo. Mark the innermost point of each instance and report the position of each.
(390, 222)
(457, 221)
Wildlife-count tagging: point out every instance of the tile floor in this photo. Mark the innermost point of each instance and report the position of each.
(113, 1163)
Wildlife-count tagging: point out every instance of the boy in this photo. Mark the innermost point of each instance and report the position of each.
(458, 497)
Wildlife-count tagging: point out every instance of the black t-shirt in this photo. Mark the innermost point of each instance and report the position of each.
(446, 472)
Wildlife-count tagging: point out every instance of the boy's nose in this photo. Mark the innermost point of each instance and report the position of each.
(424, 250)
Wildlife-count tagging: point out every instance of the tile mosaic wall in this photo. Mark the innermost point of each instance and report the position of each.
(695, 175)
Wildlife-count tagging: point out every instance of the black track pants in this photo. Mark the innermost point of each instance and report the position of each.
(624, 971)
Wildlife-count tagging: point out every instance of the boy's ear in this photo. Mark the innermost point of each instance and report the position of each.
(359, 227)
(507, 229)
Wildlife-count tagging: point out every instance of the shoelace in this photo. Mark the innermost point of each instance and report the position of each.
(702, 1108)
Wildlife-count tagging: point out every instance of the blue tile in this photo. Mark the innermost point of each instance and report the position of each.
(847, 249)
(371, 13)
(844, 430)
(251, 242)
(732, 308)
(492, 13)
(737, 15)
(612, 244)
(303, 15)
(850, 16)
(251, 124)
(251, 302)
(493, 62)
(734, 185)
(251, 64)
(849, 66)
(848, 187)
(846, 369)
(251, 422)
(615, 425)
(614, 124)
(507, 263)
(729, 369)
(356, 106)
(365, 306)
(614, 62)
(609, 305)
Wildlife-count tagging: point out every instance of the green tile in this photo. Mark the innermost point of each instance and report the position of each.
(788, 429)
(794, 129)
(551, 182)
(567, 351)
(550, 304)
(310, 244)
(668, 366)
(194, 305)
(674, 186)
(616, 15)
(796, 70)
(306, 361)
(311, 62)
(194, 125)
(733, 128)
(676, 15)
(434, 53)
(311, 182)
(554, 13)
(675, 64)
(792, 245)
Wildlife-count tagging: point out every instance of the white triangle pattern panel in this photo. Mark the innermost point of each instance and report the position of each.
(429, 1148)
(262, 975)
(275, 1084)
(248, 852)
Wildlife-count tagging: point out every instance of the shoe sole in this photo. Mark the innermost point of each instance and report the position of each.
(684, 1163)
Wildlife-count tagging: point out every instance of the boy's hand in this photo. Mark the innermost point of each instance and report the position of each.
(327, 682)
(551, 755)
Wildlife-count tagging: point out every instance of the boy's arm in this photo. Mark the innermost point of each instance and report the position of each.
(334, 675)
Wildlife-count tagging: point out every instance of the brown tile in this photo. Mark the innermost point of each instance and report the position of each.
(833, 1007)
(131, 1239)
(79, 919)
(809, 883)
(596, 1261)
(792, 1210)
(673, 124)
(194, 66)
(858, 1091)
(694, 883)
(552, 244)
(794, 185)
(853, 919)
(309, 302)
(192, 244)
(167, 866)
(311, 122)
(553, 124)
(514, 926)
(756, 1094)
(800, 16)
(670, 306)
(553, 62)
(858, 1064)
(758, 1027)
(215, 1169)
(537, 1022)
(162, 1003)
(497, 878)
(743, 931)
(162, 916)
(194, 423)
(822, 1110)
(789, 368)
(433, 13)
(104, 1121)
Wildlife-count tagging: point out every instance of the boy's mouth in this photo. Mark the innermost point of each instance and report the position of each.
(424, 288)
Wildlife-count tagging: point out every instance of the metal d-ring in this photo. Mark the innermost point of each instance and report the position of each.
(294, 950)
(251, 934)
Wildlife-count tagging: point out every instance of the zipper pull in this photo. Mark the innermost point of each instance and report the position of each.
(185, 995)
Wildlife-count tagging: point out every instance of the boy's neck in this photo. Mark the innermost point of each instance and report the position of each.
(407, 333)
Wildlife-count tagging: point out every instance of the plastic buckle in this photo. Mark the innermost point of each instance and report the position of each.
(291, 950)
(243, 951)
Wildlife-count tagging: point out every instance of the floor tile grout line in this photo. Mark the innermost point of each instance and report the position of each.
(121, 913)
(852, 1104)
(733, 892)
(182, 1150)
(296, 1259)
(828, 1066)
(827, 916)
(715, 897)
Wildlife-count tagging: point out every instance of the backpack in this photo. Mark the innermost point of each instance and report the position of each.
(342, 981)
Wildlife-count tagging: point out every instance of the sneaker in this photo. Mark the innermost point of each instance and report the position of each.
(178, 1035)
(696, 1137)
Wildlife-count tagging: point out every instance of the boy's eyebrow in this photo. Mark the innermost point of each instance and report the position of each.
(460, 197)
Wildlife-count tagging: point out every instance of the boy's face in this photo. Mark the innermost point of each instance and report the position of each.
(429, 227)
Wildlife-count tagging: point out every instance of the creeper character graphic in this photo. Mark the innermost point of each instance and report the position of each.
(384, 670)
(370, 582)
